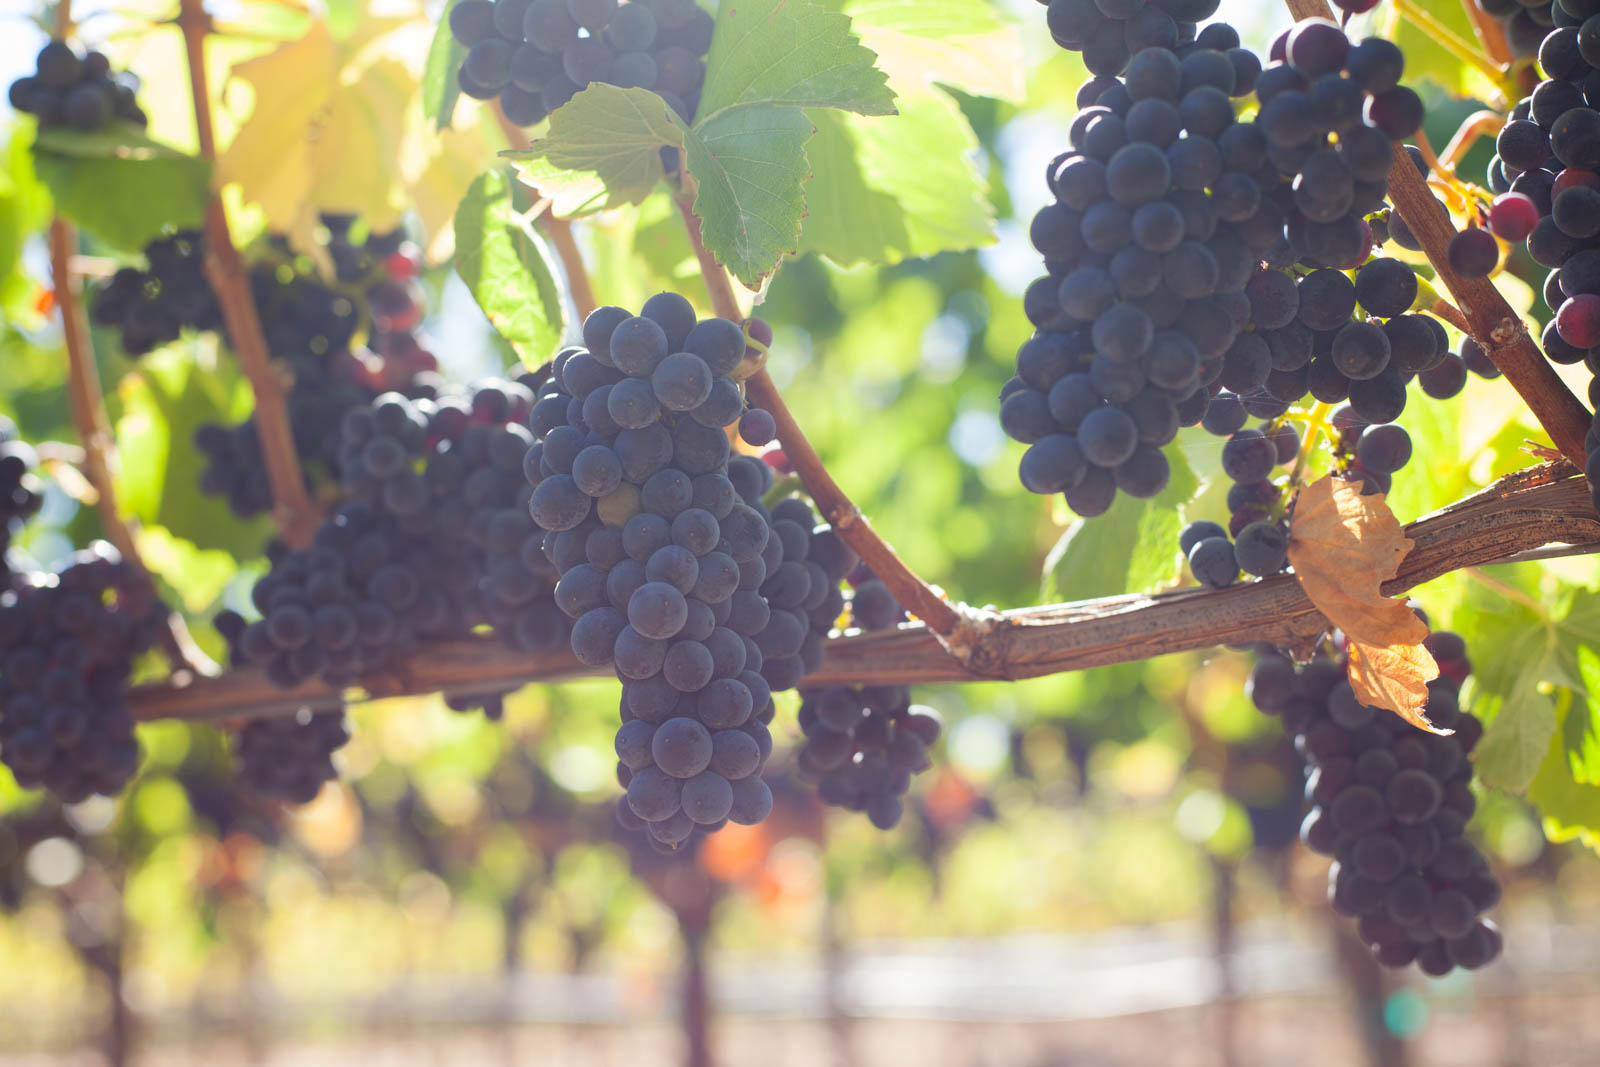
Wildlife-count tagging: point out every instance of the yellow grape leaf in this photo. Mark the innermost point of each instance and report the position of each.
(328, 114)
(1344, 546)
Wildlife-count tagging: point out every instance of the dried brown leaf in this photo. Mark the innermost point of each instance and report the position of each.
(1395, 677)
(1344, 546)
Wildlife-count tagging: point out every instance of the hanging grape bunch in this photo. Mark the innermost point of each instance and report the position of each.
(68, 644)
(536, 55)
(434, 540)
(151, 307)
(1390, 806)
(285, 758)
(863, 745)
(662, 544)
(312, 328)
(386, 267)
(67, 89)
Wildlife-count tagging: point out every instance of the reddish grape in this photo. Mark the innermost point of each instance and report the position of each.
(401, 266)
(1513, 216)
(1578, 321)
(1571, 177)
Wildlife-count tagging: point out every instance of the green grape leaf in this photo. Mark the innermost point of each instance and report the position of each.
(751, 167)
(440, 90)
(789, 52)
(125, 197)
(1570, 808)
(1133, 547)
(162, 405)
(509, 270)
(603, 149)
(911, 187)
(893, 189)
(744, 160)
(1515, 741)
(1518, 652)
(1581, 731)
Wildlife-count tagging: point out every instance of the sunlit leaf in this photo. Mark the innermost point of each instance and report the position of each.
(509, 270)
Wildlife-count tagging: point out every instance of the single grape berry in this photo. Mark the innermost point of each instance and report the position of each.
(1473, 253)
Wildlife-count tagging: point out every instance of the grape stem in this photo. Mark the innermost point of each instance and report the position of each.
(558, 230)
(837, 509)
(1490, 31)
(94, 430)
(1527, 510)
(1494, 326)
(293, 511)
(1316, 422)
(1474, 126)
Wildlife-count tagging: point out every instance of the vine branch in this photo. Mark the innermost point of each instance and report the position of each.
(293, 510)
(838, 510)
(1535, 507)
(87, 403)
(559, 230)
(1494, 326)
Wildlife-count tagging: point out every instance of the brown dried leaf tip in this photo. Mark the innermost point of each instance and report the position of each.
(1344, 546)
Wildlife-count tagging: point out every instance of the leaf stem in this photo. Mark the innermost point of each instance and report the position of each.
(558, 230)
(293, 510)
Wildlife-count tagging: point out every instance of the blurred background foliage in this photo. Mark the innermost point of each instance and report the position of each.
(458, 854)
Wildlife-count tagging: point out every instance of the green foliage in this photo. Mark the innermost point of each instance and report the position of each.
(744, 160)
(120, 185)
(508, 269)
(1526, 649)
(602, 149)
(908, 186)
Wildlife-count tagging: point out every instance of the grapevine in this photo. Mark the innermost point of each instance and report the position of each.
(1254, 263)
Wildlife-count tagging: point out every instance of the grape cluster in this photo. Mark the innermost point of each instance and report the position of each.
(312, 328)
(385, 267)
(151, 307)
(864, 744)
(1527, 23)
(536, 54)
(1390, 805)
(1544, 172)
(67, 89)
(664, 548)
(20, 492)
(283, 759)
(1109, 33)
(68, 643)
(1147, 267)
(1197, 267)
(433, 540)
